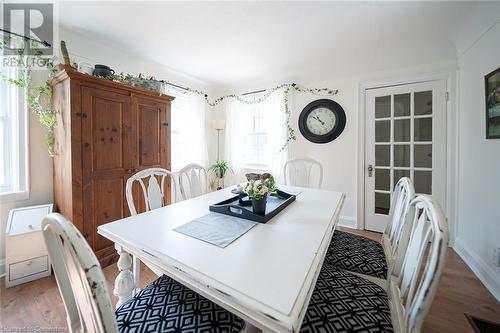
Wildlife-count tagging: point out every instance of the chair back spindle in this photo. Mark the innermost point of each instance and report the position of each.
(402, 195)
(154, 192)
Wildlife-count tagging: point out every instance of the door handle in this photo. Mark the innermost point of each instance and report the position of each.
(370, 170)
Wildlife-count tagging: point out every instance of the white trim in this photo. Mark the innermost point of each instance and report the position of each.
(484, 273)
(347, 221)
(451, 78)
(14, 196)
(360, 223)
(452, 154)
(21, 141)
(2, 268)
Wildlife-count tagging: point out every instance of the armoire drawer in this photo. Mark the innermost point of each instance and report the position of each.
(28, 267)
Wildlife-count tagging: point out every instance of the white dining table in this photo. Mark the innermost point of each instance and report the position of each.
(266, 276)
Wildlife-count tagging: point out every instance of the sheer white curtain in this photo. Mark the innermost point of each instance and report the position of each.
(254, 136)
(189, 141)
(275, 127)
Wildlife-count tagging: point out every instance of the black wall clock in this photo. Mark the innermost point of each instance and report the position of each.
(322, 121)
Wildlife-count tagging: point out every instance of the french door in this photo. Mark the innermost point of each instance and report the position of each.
(405, 137)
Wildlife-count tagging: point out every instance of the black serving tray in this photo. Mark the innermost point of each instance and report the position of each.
(232, 206)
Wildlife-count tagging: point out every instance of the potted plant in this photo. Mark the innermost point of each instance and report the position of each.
(219, 170)
(258, 190)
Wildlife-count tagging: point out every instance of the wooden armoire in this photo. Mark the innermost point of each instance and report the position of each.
(106, 131)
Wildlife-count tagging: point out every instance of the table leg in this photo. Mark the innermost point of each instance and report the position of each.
(137, 273)
(124, 282)
(249, 328)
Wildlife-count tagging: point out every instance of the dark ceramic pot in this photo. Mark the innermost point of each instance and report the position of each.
(259, 206)
(103, 71)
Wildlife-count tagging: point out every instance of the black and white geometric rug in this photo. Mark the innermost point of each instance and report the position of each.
(482, 325)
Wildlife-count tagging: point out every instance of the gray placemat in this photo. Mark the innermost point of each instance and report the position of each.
(217, 229)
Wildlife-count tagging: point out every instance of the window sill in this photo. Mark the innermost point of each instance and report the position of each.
(14, 196)
(256, 167)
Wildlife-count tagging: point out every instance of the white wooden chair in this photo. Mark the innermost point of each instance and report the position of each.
(88, 305)
(343, 301)
(418, 263)
(79, 276)
(154, 197)
(300, 172)
(193, 181)
(365, 256)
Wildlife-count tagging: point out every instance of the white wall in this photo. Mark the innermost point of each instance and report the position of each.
(479, 167)
(80, 48)
(338, 157)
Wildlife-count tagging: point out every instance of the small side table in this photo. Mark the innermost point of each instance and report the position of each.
(27, 258)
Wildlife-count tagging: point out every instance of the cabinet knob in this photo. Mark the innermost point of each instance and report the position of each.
(29, 263)
(30, 226)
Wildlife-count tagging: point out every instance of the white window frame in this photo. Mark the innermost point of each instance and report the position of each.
(20, 190)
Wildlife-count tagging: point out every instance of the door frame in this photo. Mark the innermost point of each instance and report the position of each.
(452, 139)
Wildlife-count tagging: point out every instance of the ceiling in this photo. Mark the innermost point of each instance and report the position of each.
(227, 43)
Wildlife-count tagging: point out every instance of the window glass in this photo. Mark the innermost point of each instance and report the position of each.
(12, 134)
(256, 145)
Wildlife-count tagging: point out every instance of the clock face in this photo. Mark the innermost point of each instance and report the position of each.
(321, 121)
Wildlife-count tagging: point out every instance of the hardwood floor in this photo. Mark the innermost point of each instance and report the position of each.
(38, 304)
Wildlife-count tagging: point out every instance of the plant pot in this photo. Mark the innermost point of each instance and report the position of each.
(259, 206)
(220, 183)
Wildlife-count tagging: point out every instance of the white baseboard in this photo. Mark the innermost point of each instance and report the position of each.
(2, 267)
(484, 273)
(348, 222)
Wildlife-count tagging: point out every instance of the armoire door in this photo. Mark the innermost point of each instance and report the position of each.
(152, 130)
(108, 150)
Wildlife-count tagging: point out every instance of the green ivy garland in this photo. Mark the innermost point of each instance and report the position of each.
(39, 96)
(156, 85)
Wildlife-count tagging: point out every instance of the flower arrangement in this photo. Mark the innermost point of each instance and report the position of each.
(258, 189)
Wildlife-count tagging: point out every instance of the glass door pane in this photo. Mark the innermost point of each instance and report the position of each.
(382, 170)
